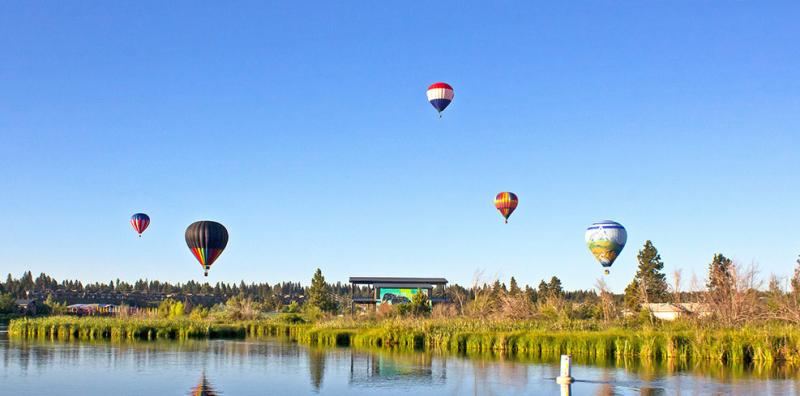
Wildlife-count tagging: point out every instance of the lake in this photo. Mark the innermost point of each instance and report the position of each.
(276, 366)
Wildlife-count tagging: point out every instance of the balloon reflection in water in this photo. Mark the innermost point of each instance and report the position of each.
(204, 388)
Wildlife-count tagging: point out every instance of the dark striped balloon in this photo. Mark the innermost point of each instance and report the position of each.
(140, 221)
(206, 239)
(506, 202)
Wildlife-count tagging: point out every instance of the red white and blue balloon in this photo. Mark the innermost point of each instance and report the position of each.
(140, 221)
(440, 95)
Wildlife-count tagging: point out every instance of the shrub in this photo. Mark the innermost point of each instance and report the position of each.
(170, 308)
(312, 313)
(198, 313)
(292, 318)
(441, 311)
(53, 307)
(293, 307)
(420, 305)
(242, 308)
(7, 304)
(384, 311)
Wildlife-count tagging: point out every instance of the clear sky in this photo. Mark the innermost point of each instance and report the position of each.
(304, 128)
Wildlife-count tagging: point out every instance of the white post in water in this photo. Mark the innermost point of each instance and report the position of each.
(566, 371)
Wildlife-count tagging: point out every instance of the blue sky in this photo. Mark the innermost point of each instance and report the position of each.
(304, 128)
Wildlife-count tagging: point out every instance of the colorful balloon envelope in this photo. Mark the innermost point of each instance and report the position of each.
(140, 221)
(206, 239)
(606, 239)
(506, 202)
(440, 95)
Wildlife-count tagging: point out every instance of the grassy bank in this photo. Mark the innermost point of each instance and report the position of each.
(524, 339)
(533, 340)
(91, 328)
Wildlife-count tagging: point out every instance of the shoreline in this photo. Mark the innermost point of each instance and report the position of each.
(765, 344)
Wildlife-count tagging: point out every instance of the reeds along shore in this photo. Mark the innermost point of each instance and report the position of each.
(734, 346)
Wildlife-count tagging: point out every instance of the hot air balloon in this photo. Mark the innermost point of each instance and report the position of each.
(605, 240)
(506, 202)
(440, 95)
(206, 239)
(140, 221)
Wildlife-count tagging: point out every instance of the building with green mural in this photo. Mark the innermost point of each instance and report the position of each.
(392, 290)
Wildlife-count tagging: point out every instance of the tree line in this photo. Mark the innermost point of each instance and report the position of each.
(329, 297)
(731, 294)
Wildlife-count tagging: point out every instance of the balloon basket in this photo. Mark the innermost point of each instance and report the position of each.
(607, 272)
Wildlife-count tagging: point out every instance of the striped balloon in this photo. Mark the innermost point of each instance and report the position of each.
(140, 221)
(206, 239)
(506, 202)
(440, 95)
(606, 239)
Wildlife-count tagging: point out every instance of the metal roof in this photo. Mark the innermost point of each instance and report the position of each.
(404, 285)
(366, 280)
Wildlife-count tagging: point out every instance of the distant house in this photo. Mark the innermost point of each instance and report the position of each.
(670, 311)
(26, 306)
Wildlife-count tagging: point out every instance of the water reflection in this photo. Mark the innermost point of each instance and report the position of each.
(277, 367)
(602, 390)
(655, 370)
(316, 367)
(395, 368)
(204, 388)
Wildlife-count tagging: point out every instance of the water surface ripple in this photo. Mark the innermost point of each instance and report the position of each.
(273, 366)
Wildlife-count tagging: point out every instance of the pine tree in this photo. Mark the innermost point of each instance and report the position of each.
(26, 283)
(513, 288)
(795, 281)
(774, 295)
(632, 297)
(496, 292)
(721, 289)
(649, 285)
(720, 278)
(530, 294)
(319, 294)
(497, 288)
(543, 290)
(554, 287)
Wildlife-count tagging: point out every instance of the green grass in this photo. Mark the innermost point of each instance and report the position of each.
(67, 328)
(533, 340)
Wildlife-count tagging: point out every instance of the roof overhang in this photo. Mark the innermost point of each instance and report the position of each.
(366, 280)
(403, 285)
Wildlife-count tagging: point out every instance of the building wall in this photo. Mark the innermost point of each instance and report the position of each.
(667, 315)
(394, 295)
